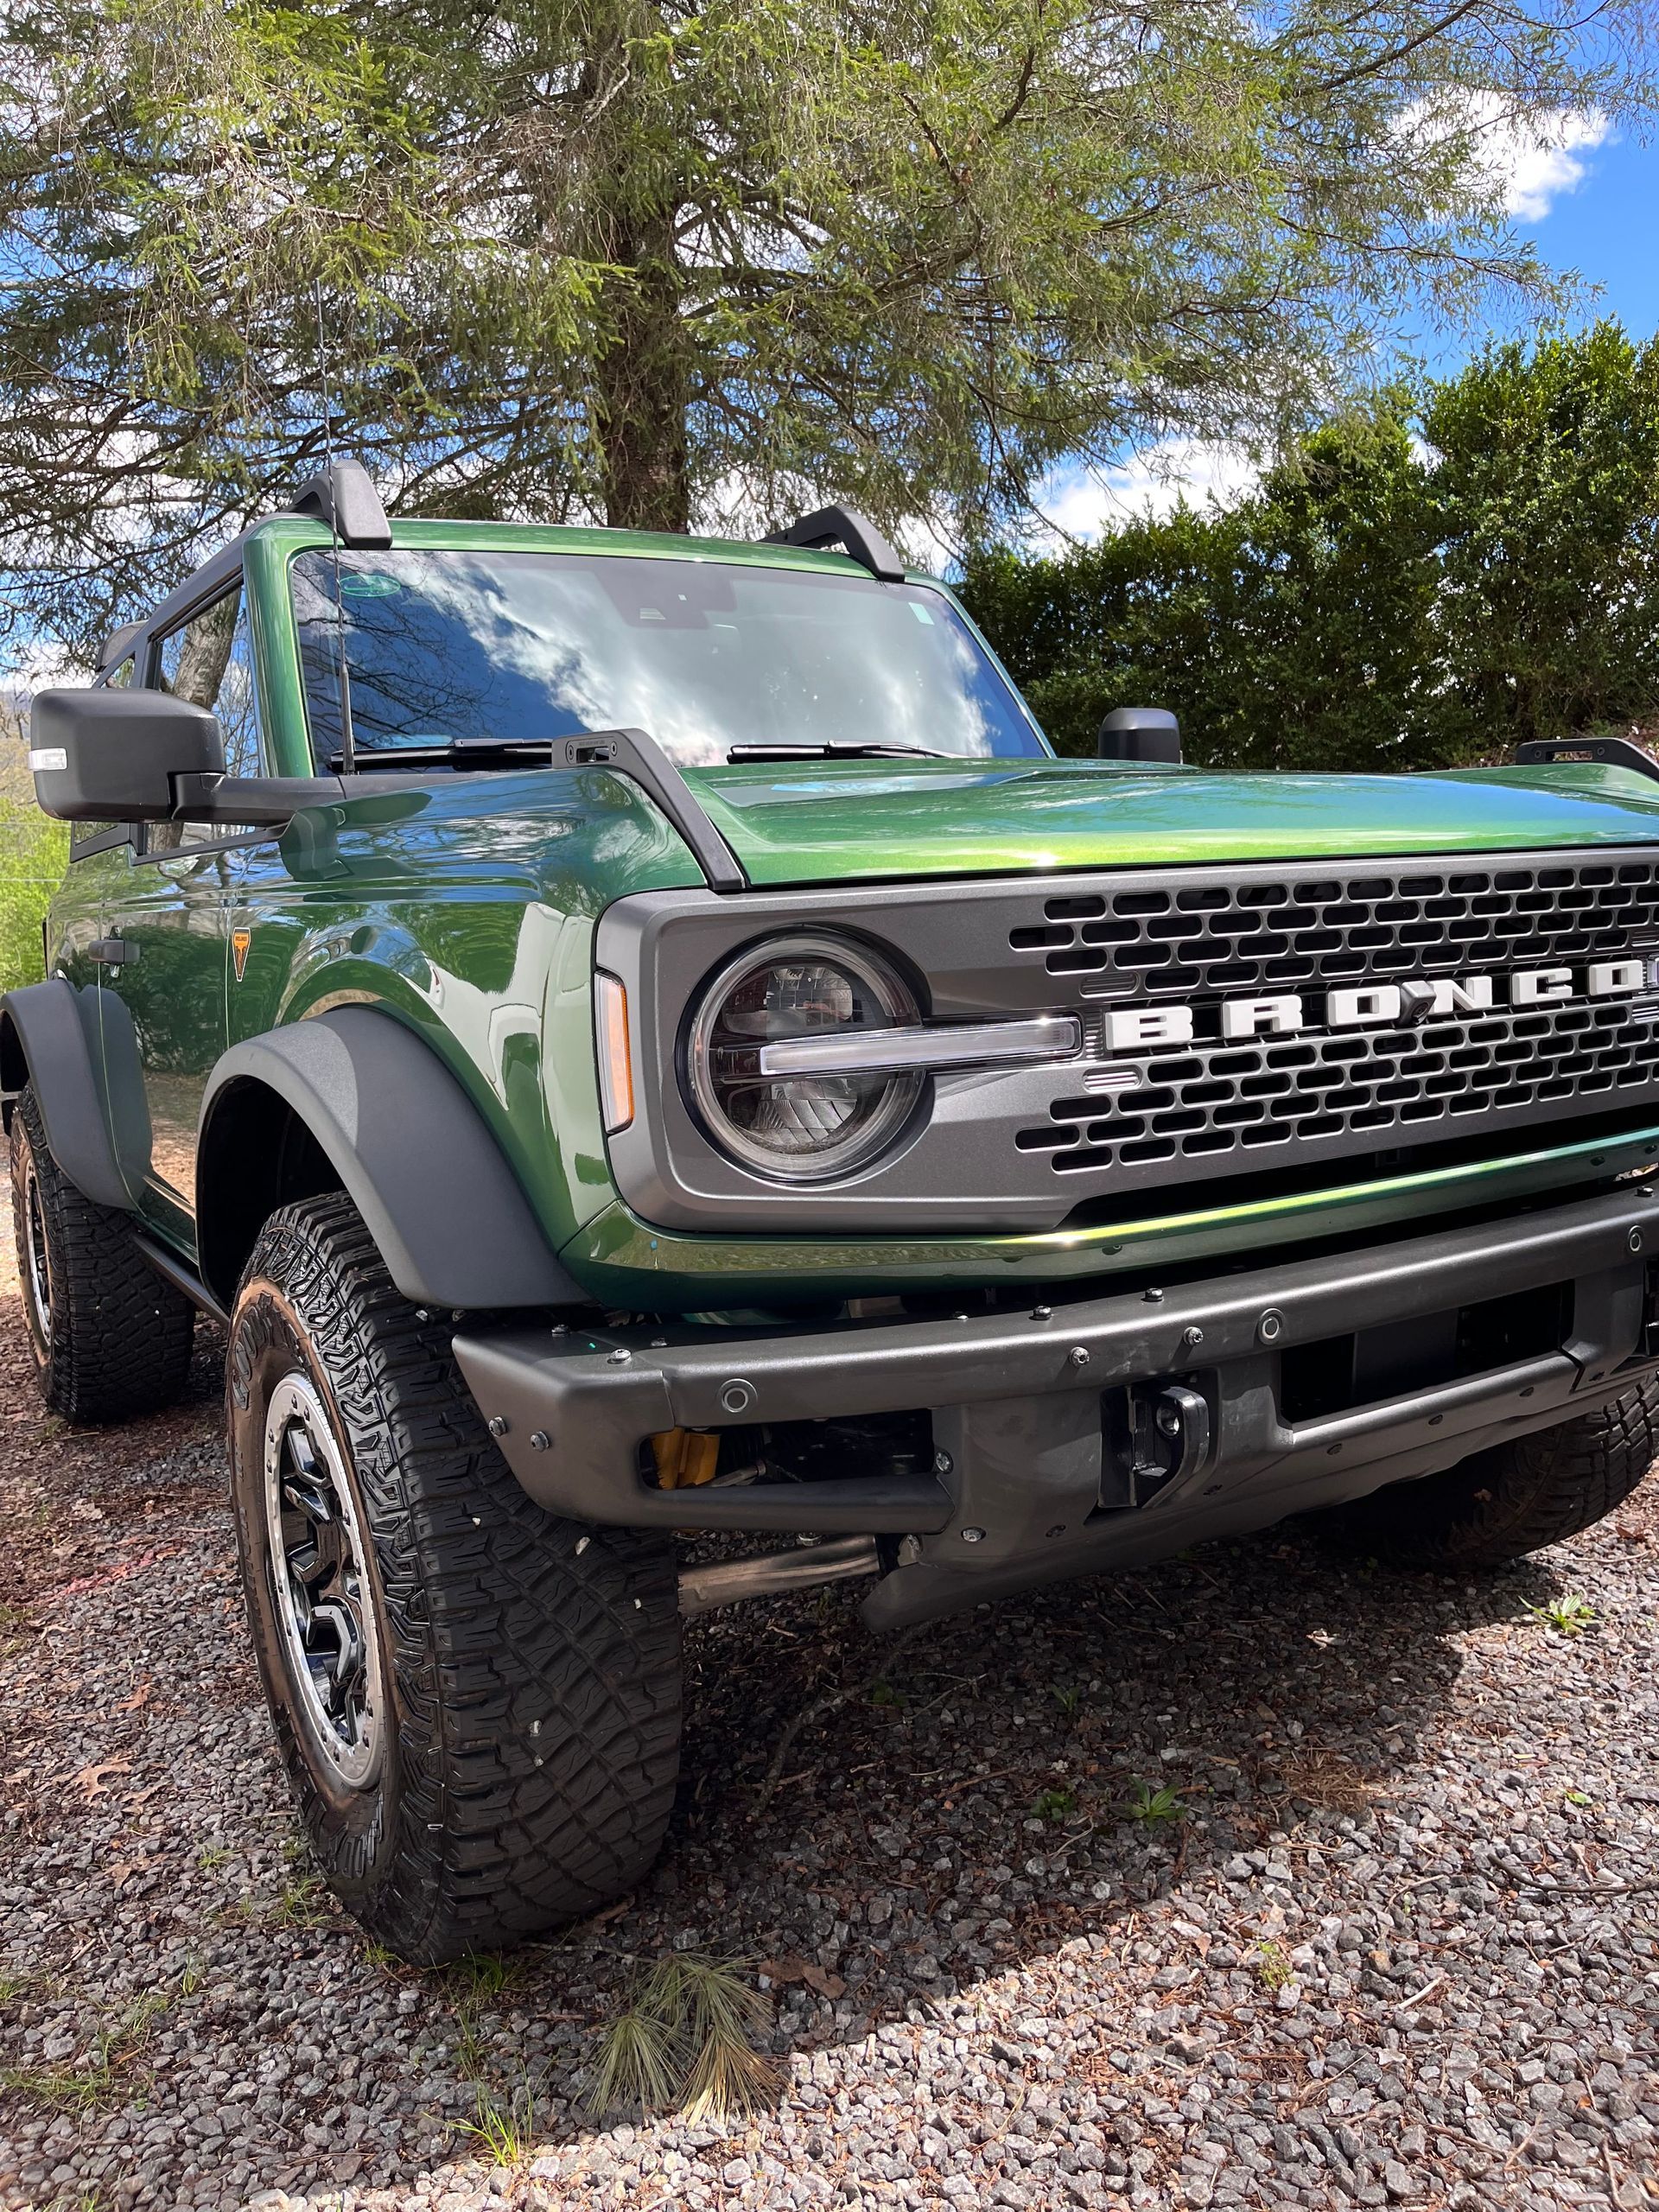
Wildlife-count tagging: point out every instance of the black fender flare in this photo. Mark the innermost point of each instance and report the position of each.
(49, 1039)
(409, 1149)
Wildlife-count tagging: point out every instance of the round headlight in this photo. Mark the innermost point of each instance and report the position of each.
(804, 1126)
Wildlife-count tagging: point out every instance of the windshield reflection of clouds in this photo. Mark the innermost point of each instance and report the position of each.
(702, 655)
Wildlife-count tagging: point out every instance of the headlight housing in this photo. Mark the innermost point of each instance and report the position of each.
(799, 1128)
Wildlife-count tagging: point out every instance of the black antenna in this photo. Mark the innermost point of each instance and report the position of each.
(347, 741)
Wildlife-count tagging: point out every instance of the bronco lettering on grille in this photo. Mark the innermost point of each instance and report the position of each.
(1379, 1006)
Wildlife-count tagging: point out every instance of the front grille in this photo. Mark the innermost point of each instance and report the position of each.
(1214, 1107)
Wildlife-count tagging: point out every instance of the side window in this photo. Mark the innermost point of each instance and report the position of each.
(210, 662)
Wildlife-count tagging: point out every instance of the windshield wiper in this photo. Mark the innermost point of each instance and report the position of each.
(835, 753)
(461, 751)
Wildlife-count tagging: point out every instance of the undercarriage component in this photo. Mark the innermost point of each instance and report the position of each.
(727, 1582)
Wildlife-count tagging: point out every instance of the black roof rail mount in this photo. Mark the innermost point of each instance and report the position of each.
(1605, 752)
(344, 498)
(832, 526)
(120, 643)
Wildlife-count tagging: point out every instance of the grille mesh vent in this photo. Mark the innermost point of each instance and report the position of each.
(1182, 940)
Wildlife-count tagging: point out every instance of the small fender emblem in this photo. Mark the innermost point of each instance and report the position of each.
(240, 940)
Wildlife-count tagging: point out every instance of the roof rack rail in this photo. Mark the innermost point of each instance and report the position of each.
(344, 498)
(832, 526)
(1605, 752)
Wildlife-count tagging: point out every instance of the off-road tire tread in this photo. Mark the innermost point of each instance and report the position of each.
(121, 1336)
(1518, 1497)
(536, 1661)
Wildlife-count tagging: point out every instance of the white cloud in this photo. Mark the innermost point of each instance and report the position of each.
(1086, 503)
(1529, 161)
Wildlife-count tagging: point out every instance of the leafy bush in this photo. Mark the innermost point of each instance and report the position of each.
(1430, 583)
(34, 852)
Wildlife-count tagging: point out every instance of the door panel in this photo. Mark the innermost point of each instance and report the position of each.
(163, 988)
(166, 944)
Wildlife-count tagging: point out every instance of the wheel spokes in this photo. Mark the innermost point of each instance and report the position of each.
(319, 1579)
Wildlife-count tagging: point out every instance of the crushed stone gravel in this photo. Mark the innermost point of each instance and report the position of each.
(1262, 1879)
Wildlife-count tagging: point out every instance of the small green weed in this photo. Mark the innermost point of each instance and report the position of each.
(1273, 1966)
(684, 2042)
(1152, 1807)
(12, 1986)
(214, 1855)
(884, 1694)
(302, 1903)
(507, 2131)
(98, 2079)
(1567, 1616)
(1055, 1805)
(1068, 1701)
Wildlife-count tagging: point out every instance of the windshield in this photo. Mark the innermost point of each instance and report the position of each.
(447, 647)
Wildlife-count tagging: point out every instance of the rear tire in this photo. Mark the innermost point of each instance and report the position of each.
(478, 1705)
(110, 1338)
(1516, 1499)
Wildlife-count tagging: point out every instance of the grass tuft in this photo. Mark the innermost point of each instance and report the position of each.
(507, 2131)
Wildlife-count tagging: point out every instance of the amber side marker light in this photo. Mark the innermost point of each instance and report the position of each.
(615, 1068)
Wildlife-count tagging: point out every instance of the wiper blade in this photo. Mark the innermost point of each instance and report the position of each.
(835, 753)
(453, 751)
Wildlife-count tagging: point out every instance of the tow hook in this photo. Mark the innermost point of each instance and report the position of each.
(1155, 1433)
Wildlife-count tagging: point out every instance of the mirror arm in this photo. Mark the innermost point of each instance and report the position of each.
(259, 802)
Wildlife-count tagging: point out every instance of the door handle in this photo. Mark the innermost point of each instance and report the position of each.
(112, 951)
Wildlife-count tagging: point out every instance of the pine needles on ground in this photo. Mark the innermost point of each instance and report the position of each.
(684, 2042)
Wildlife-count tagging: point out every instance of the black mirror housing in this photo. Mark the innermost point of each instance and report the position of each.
(1140, 733)
(100, 755)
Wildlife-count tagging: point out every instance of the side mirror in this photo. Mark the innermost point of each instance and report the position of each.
(111, 756)
(1140, 733)
(146, 756)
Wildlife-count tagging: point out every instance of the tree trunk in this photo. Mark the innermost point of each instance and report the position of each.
(641, 397)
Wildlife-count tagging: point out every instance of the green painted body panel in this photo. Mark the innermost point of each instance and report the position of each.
(867, 821)
(465, 907)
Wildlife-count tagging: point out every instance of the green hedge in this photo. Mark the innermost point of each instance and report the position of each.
(1467, 566)
(34, 853)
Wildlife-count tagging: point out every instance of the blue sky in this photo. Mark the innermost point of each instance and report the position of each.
(1589, 202)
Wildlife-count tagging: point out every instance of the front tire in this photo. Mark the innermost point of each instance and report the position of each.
(1516, 1497)
(478, 1705)
(110, 1339)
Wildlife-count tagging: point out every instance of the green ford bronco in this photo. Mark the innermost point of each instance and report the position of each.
(638, 1038)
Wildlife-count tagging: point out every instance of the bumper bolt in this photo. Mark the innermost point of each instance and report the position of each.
(943, 1462)
(1193, 1338)
(1041, 1313)
(621, 1356)
(1169, 1422)
(498, 1424)
(539, 1440)
(973, 1535)
(1270, 1327)
(1634, 1239)
(1078, 1354)
(1153, 1297)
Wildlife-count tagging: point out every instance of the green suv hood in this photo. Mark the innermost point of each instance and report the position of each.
(843, 821)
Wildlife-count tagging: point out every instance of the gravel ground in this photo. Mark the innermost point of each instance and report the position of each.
(1397, 1943)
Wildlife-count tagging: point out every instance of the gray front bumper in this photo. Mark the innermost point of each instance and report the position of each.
(1017, 1402)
